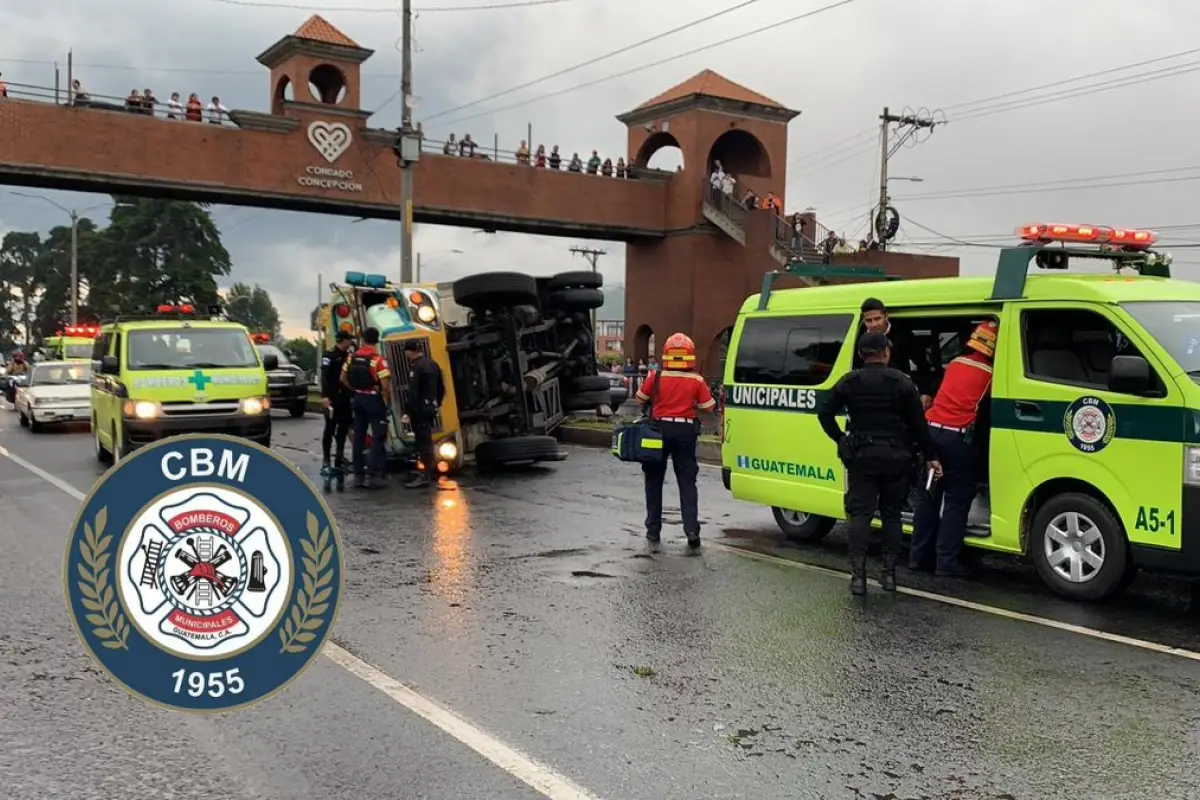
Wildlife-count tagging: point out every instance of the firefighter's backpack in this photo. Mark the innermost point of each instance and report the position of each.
(640, 441)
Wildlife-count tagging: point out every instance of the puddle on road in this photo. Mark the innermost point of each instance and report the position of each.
(588, 573)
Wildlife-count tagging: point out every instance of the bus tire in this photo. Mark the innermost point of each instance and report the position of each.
(800, 526)
(491, 290)
(517, 450)
(576, 280)
(587, 401)
(589, 383)
(577, 299)
(1078, 547)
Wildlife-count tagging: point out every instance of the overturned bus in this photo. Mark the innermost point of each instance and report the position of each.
(517, 354)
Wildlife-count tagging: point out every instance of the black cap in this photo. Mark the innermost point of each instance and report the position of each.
(344, 336)
(871, 343)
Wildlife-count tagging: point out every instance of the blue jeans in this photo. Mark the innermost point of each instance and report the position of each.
(939, 530)
(370, 412)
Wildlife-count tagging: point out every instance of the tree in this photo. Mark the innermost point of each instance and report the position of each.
(53, 272)
(303, 353)
(20, 280)
(253, 308)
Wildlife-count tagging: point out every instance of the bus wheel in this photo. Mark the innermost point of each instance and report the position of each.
(800, 526)
(1079, 548)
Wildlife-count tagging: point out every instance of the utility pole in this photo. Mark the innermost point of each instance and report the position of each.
(74, 267)
(418, 268)
(592, 255)
(409, 146)
(911, 123)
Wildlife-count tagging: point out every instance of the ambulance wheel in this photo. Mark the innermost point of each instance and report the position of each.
(800, 526)
(577, 299)
(1079, 547)
(586, 401)
(102, 454)
(299, 409)
(496, 290)
(576, 280)
(118, 446)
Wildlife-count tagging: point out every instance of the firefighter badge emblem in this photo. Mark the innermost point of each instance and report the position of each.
(204, 573)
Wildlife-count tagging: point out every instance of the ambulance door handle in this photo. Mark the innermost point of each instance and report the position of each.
(1028, 411)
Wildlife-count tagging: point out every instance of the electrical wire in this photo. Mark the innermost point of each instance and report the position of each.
(1072, 185)
(591, 61)
(653, 64)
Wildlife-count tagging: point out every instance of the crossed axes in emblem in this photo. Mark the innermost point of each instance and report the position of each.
(185, 584)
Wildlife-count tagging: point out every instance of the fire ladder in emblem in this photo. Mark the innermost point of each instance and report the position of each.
(204, 550)
(153, 556)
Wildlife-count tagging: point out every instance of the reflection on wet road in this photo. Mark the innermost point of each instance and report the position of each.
(529, 604)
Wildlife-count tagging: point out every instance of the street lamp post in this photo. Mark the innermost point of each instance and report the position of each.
(74, 215)
(446, 252)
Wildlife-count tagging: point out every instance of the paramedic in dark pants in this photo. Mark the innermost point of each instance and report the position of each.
(673, 404)
(424, 395)
(336, 403)
(884, 429)
(939, 530)
(366, 374)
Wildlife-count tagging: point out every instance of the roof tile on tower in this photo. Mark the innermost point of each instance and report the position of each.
(710, 84)
(317, 29)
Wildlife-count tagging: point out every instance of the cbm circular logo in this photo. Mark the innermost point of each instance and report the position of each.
(204, 573)
(1090, 424)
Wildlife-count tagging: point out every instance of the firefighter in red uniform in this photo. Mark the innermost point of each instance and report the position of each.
(938, 537)
(674, 393)
(367, 374)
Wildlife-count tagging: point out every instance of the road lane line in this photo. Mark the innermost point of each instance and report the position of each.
(534, 774)
(970, 605)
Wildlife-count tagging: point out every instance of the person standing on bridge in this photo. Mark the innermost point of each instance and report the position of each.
(885, 426)
(672, 396)
(366, 373)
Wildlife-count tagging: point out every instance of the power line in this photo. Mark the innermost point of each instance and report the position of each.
(1072, 185)
(596, 60)
(659, 63)
(859, 142)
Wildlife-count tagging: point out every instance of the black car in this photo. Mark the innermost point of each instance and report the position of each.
(288, 384)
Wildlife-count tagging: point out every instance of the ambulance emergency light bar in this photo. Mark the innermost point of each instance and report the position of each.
(1126, 238)
(82, 331)
(260, 338)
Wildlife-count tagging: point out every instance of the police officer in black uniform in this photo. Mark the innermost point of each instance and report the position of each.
(886, 428)
(425, 393)
(335, 401)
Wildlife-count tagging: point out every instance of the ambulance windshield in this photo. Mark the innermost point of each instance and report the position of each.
(1176, 326)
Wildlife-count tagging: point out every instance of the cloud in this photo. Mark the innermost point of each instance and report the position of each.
(840, 69)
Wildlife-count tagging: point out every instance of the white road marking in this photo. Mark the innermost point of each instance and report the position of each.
(1005, 613)
(538, 776)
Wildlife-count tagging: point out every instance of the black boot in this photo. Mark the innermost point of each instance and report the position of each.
(693, 540)
(887, 578)
(858, 576)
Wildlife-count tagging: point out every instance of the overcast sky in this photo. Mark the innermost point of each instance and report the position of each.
(839, 68)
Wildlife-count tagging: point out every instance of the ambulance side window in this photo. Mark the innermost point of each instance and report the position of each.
(100, 348)
(1072, 345)
(790, 351)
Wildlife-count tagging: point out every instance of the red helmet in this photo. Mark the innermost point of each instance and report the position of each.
(679, 352)
(983, 339)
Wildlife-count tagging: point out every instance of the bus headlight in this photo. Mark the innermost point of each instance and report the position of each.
(141, 409)
(447, 451)
(253, 406)
(426, 314)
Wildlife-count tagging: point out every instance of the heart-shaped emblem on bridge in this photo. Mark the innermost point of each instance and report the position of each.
(330, 139)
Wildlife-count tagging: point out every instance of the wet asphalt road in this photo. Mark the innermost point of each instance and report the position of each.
(529, 604)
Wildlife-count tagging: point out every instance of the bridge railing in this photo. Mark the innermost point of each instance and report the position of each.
(800, 244)
(157, 108)
(725, 204)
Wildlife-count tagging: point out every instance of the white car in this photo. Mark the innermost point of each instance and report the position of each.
(58, 391)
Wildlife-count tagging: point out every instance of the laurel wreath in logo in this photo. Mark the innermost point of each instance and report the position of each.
(99, 598)
(312, 598)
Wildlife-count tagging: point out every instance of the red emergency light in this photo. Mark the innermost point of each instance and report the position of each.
(261, 338)
(1128, 238)
(81, 331)
(169, 309)
(342, 311)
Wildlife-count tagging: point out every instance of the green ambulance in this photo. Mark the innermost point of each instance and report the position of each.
(1091, 439)
(172, 373)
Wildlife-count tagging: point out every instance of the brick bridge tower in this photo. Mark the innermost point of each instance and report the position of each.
(695, 279)
(316, 70)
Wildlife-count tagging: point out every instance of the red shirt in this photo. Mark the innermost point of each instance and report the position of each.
(680, 394)
(967, 380)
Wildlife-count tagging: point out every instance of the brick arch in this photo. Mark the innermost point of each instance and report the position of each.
(655, 142)
(328, 84)
(740, 153)
(643, 344)
(283, 93)
(715, 354)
